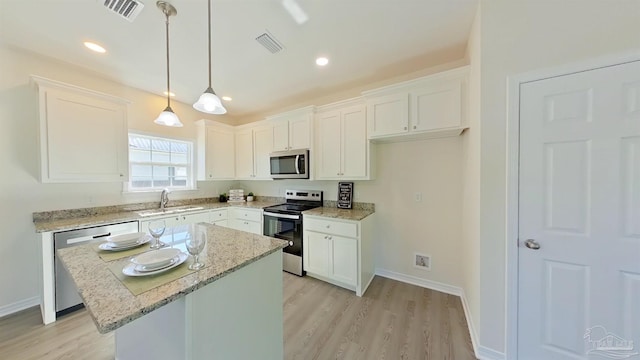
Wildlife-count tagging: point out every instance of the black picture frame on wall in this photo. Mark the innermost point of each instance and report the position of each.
(345, 195)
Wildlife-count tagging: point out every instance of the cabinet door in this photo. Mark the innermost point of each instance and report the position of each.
(223, 223)
(388, 115)
(262, 148)
(300, 133)
(344, 259)
(247, 226)
(219, 155)
(281, 136)
(328, 146)
(83, 137)
(316, 253)
(436, 107)
(196, 218)
(354, 143)
(244, 154)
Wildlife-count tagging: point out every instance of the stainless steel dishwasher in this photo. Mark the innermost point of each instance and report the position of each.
(67, 298)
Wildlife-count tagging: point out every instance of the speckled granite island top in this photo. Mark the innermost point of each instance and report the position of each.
(343, 214)
(112, 305)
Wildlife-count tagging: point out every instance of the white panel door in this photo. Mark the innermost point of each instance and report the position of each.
(316, 253)
(244, 155)
(579, 293)
(300, 133)
(328, 153)
(219, 157)
(262, 147)
(354, 143)
(281, 136)
(388, 115)
(344, 259)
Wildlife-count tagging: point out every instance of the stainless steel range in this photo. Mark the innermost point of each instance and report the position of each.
(284, 221)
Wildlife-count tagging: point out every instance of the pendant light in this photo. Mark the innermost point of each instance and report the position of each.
(167, 117)
(209, 102)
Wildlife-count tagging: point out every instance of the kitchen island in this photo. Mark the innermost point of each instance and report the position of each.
(230, 309)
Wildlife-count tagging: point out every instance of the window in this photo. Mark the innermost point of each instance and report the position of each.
(158, 163)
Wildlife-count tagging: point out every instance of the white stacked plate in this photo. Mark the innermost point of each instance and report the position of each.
(125, 241)
(154, 262)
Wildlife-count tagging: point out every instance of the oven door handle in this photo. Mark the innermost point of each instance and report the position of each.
(284, 216)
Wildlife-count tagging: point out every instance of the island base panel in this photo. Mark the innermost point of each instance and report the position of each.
(238, 316)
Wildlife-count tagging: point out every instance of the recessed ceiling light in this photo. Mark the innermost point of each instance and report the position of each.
(95, 47)
(170, 94)
(322, 61)
(227, 98)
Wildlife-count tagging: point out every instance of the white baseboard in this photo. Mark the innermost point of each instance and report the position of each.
(19, 305)
(413, 280)
(484, 353)
(481, 352)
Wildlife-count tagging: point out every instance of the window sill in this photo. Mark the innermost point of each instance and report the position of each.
(153, 191)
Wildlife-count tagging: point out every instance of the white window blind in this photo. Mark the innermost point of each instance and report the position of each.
(158, 163)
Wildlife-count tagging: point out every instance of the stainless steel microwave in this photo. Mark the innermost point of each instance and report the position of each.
(292, 164)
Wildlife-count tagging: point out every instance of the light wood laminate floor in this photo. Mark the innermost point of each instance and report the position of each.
(392, 320)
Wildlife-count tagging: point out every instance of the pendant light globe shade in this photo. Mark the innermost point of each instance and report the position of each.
(210, 103)
(168, 118)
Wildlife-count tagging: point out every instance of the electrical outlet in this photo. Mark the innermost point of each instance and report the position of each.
(418, 196)
(422, 261)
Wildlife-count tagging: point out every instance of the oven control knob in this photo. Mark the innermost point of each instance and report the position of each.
(290, 243)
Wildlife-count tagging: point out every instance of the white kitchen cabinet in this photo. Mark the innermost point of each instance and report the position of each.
(176, 220)
(339, 251)
(292, 130)
(244, 219)
(219, 217)
(216, 151)
(429, 107)
(342, 148)
(83, 134)
(253, 146)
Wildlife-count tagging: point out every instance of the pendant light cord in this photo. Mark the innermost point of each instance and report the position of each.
(166, 13)
(209, 9)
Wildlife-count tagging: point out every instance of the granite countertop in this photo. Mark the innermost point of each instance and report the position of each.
(79, 218)
(111, 305)
(343, 214)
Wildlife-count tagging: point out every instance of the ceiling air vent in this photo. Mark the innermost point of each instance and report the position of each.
(269, 42)
(128, 9)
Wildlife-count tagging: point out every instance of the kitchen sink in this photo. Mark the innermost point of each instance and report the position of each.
(169, 211)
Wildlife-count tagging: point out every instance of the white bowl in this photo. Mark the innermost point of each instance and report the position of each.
(125, 239)
(156, 258)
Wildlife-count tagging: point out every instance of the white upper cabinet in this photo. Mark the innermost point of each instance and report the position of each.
(216, 151)
(388, 115)
(342, 148)
(428, 107)
(83, 134)
(292, 130)
(244, 154)
(253, 146)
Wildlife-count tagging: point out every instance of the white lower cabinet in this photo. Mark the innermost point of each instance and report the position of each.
(339, 251)
(249, 220)
(219, 217)
(176, 220)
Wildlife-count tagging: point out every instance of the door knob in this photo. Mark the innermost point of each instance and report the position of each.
(532, 244)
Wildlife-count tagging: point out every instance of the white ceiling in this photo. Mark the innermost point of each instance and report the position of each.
(365, 40)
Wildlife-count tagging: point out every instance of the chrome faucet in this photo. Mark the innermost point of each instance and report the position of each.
(164, 198)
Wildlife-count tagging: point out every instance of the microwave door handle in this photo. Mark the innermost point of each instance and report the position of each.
(298, 164)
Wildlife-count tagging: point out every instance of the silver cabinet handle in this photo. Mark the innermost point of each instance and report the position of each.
(532, 244)
(405, 128)
(414, 127)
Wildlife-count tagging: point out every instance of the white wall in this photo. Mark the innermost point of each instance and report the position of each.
(471, 186)
(403, 226)
(22, 194)
(516, 37)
